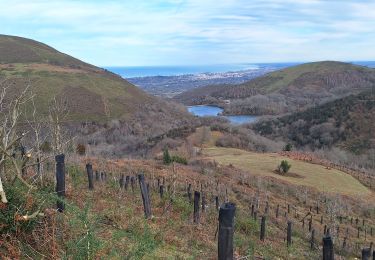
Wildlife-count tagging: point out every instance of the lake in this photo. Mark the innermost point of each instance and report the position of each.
(203, 110)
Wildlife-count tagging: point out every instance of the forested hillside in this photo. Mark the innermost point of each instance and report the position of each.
(347, 122)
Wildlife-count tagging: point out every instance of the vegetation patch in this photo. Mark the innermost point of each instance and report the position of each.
(311, 174)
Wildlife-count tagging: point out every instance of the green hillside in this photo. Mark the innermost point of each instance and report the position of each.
(287, 90)
(314, 76)
(15, 49)
(90, 92)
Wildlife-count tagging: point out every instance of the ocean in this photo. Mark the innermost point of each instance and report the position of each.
(147, 71)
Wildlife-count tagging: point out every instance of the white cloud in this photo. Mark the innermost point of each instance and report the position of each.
(196, 31)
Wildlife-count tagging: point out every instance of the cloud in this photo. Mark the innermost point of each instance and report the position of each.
(155, 32)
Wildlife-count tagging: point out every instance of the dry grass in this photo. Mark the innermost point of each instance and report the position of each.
(118, 229)
(311, 175)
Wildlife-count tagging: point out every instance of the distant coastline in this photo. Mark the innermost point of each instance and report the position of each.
(152, 71)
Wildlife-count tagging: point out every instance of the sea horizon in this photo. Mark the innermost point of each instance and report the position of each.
(178, 70)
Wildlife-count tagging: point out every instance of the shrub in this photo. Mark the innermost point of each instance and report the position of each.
(166, 157)
(288, 147)
(46, 147)
(81, 149)
(284, 167)
(178, 159)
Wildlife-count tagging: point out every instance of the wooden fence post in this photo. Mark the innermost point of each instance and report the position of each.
(328, 253)
(312, 239)
(277, 211)
(252, 210)
(266, 208)
(344, 243)
(263, 228)
(127, 178)
(226, 231)
(97, 176)
(132, 182)
(60, 181)
(366, 254)
(289, 234)
(145, 196)
(161, 191)
(203, 202)
(217, 202)
(189, 192)
(122, 181)
(90, 176)
(197, 197)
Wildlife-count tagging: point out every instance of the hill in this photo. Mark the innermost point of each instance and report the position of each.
(91, 93)
(15, 49)
(287, 90)
(346, 123)
(108, 221)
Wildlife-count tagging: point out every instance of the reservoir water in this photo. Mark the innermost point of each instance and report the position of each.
(203, 110)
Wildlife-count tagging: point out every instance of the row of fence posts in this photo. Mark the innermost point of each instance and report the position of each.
(226, 213)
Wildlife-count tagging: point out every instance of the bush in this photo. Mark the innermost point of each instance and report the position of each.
(288, 147)
(178, 159)
(284, 167)
(166, 157)
(46, 147)
(81, 149)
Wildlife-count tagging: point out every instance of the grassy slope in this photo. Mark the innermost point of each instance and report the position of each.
(297, 75)
(108, 222)
(15, 49)
(91, 93)
(311, 175)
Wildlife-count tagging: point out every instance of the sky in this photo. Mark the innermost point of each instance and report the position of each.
(196, 32)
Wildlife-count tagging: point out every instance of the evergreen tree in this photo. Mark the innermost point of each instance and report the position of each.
(166, 157)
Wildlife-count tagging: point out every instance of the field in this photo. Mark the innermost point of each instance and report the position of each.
(312, 175)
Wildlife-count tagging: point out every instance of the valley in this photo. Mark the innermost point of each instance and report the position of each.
(93, 167)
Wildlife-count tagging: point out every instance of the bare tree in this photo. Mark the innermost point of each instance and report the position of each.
(36, 126)
(10, 137)
(58, 113)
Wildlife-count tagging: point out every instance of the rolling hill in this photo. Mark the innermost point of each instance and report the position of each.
(91, 93)
(287, 90)
(345, 122)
